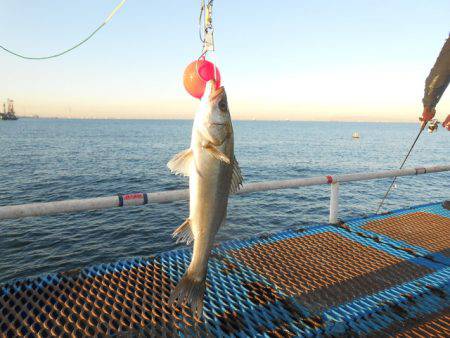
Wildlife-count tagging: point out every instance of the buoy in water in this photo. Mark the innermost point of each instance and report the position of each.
(197, 74)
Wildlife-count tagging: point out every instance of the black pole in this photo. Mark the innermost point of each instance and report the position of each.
(401, 166)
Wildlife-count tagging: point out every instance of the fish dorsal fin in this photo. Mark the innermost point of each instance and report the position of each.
(180, 164)
(236, 177)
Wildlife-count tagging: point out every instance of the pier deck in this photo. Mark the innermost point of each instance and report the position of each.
(381, 275)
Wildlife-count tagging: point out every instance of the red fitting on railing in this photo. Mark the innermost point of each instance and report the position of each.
(329, 179)
(132, 199)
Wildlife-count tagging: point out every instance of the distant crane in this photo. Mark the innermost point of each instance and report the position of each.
(8, 113)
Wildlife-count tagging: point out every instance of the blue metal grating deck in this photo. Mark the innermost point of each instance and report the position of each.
(351, 279)
(401, 229)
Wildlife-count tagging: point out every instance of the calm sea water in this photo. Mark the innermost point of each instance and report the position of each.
(49, 160)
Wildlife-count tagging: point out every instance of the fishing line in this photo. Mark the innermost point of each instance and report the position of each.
(71, 48)
(401, 166)
(206, 33)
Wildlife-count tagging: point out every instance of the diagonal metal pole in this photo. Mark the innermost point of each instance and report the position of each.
(401, 166)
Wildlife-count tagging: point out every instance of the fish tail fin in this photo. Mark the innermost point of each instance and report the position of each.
(184, 232)
(190, 291)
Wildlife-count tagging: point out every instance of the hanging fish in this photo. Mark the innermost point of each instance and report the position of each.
(213, 174)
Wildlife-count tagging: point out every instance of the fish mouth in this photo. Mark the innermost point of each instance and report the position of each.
(216, 93)
(216, 124)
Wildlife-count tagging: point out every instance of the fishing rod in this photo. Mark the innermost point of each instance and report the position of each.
(422, 128)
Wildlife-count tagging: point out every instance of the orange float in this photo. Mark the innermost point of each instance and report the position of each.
(197, 74)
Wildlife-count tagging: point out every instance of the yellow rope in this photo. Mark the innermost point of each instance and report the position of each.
(114, 11)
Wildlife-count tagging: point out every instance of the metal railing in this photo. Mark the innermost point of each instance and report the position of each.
(80, 205)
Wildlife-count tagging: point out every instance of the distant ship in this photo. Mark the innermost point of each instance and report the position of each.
(355, 134)
(8, 111)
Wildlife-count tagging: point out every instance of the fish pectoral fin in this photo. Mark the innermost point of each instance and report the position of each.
(216, 153)
(236, 177)
(180, 164)
(184, 232)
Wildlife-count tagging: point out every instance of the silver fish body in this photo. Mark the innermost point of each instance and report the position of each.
(213, 174)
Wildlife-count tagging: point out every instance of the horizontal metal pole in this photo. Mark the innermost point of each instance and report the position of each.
(79, 205)
(391, 173)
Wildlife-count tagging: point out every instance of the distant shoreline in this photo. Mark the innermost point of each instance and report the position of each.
(190, 119)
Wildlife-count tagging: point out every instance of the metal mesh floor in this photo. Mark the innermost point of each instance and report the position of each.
(433, 234)
(378, 276)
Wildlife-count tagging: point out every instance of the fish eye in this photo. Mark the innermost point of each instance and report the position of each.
(222, 105)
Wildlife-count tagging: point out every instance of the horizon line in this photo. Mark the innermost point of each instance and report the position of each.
(190, 119)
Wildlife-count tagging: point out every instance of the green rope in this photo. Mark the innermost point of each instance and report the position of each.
(54, 55)
(71, 48)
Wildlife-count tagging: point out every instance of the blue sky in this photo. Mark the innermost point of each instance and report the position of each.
(300, 60)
